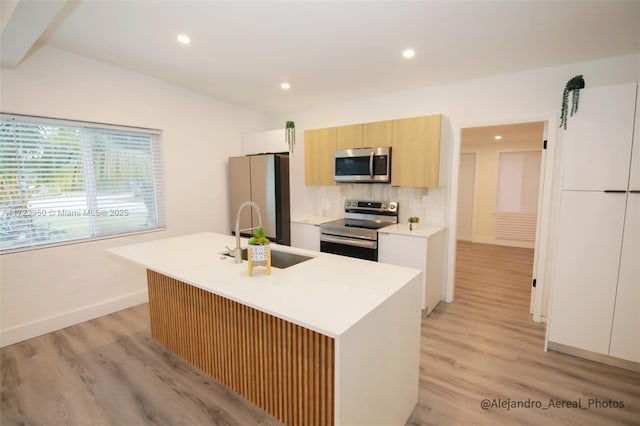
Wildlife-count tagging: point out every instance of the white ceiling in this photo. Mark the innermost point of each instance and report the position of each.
(511, 133)
(329, 51)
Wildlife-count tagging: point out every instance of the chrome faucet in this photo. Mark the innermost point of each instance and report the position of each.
(238, 250)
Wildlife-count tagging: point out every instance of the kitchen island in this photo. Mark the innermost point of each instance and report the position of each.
(331, 340)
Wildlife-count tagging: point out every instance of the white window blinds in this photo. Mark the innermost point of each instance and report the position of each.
(63, 182)
(517, 200)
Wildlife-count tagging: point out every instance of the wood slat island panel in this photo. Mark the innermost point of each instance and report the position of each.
(286, 369)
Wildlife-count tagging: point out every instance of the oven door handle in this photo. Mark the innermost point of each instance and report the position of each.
(348, 241)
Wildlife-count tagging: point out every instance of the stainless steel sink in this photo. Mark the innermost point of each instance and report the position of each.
(280, 259)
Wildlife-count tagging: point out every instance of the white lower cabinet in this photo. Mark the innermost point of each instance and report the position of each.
(596, 296)
(305, 235)
(625, 333)
(586, 272)
(419, 252)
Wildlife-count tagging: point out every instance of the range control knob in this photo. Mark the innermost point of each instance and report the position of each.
(393, 205)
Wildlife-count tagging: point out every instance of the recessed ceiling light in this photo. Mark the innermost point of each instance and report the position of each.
(285, 86)
(409, 53)
(184, 39)
(497, 137)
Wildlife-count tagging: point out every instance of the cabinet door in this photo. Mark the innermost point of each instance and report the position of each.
(319, 149)
(348, 137)
(305, 235)
(407, 251)
(586, 269)
(625, 334)
(415, 160)
(377, 134)
(634, 175)
(597, 143)
(261, 142)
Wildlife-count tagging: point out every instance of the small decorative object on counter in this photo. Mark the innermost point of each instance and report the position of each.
(290, 134)
(413, 222)
(259, 251)
(573, 86)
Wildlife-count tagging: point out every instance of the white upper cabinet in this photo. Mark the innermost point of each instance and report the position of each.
(269, 141)
(597, 156)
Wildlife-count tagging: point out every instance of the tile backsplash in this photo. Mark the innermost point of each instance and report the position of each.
(428, 204)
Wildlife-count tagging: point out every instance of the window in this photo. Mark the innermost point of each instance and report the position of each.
(517, 198)
(518, 181)
(67, 181)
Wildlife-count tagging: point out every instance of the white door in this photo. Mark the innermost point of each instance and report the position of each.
(466, 182)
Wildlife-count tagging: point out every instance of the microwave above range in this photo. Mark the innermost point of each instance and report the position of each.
(363, 165)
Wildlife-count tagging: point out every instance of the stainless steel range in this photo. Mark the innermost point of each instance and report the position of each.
(356, 235)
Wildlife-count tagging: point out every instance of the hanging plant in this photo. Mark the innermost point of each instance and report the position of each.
(573, 86)
(290, 134)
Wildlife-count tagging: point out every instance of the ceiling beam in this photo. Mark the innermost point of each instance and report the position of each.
(23, 22)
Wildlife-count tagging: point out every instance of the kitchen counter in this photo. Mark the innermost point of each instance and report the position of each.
(424, 231)
(332, 340)
(314, 220)
(327, 294)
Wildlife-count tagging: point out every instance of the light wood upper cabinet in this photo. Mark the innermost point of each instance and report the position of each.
(377, 134)
(319, 149)
(415, 156)
(416, 152)
(348, 137)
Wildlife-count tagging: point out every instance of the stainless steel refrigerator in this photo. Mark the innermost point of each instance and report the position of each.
(263, 179)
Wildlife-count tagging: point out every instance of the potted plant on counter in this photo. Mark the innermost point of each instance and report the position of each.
(413, 222)
(259, 251)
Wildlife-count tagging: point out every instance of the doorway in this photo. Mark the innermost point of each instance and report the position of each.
(500, 179)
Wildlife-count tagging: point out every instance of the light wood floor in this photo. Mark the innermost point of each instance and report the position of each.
(483, 346)
(486, 346)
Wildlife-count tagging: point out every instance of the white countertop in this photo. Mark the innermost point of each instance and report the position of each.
(315, 220)
(422, 231)
(327, 294)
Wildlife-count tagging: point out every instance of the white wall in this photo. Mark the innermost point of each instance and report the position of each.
(533, 95)
(47, 289)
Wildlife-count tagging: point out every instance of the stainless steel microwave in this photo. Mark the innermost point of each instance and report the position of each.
(363, 165)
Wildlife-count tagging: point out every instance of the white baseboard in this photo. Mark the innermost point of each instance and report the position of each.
(46, 325)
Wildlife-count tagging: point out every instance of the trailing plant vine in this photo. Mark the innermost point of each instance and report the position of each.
(573, 86)
(290, 134)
